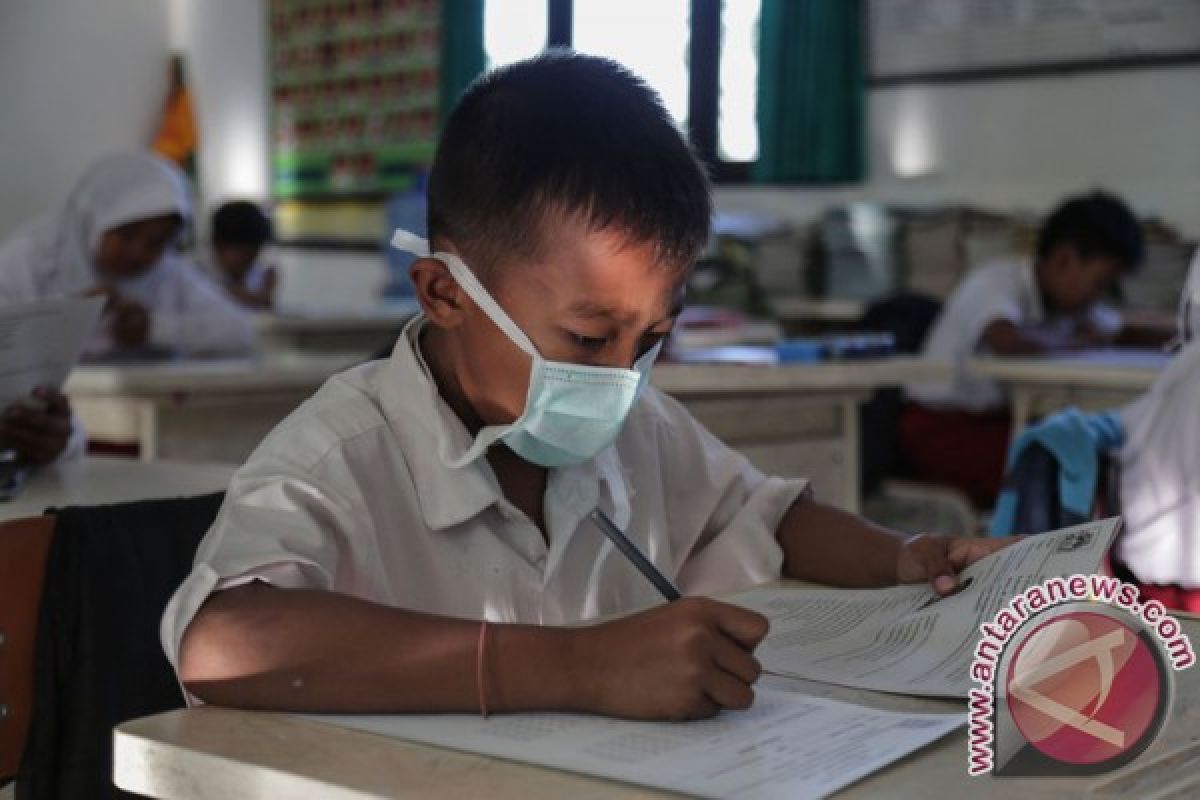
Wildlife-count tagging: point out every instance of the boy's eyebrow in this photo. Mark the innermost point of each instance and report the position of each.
(589, 308)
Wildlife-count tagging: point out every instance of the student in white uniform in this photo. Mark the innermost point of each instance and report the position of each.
(1160, 470)
(957, 433)
(415, 536)
(116, 235)
(240, 230)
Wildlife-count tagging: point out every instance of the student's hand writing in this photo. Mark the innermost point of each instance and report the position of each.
(130, 322)
(37, 434)
(685, 660)
(939, 559)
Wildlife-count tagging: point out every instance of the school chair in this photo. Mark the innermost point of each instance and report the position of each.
(84, 589)
(24, 544)
(1060, 473)
(1053, 472)
(895, 499)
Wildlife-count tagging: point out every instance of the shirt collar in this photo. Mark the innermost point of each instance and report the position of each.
(432, 436)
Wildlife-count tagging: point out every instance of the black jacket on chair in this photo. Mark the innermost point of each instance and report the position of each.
(110, 572)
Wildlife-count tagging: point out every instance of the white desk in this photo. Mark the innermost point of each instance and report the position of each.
(96, 481)
(222, 754)
(793, 420)
(789, 420)
(365, 331)
(197, 410)
(1093, 382)
(817, 309)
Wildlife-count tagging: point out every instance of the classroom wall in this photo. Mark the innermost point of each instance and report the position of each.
(224, 44)
(1022, 144)
(224, 47)
(78, 79)
(82, 78)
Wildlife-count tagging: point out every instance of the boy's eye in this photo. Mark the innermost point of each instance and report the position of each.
(652, 338)
(590, 342)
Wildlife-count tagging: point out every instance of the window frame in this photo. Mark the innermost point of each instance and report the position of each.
(704, 81)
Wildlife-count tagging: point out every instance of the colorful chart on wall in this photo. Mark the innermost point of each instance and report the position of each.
(354, 95)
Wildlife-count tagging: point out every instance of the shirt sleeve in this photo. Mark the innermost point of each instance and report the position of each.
(17, 262)
(278, 525)
(981, 301)
(729, 509)
(198, 318)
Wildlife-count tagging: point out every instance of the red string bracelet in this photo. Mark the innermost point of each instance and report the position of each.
(480, 664)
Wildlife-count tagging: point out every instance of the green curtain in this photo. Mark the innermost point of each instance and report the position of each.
(810, 92)
(462, 49)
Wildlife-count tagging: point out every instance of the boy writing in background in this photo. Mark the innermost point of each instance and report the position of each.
(240, 230)
(957, 433)
(361, 545)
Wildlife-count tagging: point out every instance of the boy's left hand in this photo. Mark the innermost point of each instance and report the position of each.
(938, 559)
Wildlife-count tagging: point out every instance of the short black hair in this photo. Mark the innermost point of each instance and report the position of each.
(568, 134)
(241, 222)
(1096, 224)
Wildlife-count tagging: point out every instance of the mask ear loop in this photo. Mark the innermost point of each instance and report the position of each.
(411, 243)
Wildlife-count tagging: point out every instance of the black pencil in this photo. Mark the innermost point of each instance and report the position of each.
(630, 551)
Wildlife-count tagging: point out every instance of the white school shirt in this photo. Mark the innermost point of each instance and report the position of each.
(352, 493)
(996, 291)
(1160, 477)
(1160, 462)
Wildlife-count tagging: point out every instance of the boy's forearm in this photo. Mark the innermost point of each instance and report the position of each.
(304, 650)
(1005, 338)
(1137, 334)
(830, 546)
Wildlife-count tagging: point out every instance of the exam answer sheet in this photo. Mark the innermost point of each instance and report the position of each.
(787, 746)
(40, 343)
(906, 639)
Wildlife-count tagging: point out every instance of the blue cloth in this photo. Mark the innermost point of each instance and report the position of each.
(1075, 440)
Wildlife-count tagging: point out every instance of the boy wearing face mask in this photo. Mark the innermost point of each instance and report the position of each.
(415, 537)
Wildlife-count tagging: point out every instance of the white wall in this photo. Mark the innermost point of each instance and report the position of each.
(83, 77)
(78, 79)
(224, 43)
(1023, 144)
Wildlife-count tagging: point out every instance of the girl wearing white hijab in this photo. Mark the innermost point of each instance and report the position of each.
(115, 236)
(1160, 465)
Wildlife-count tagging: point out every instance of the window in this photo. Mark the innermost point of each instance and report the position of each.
(700, 55)
(512, 30)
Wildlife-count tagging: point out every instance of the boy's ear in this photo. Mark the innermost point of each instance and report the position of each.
(440, 296)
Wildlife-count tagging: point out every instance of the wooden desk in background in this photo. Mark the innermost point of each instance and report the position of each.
(224, 754)
(1093, 381)
(363, 331)
(796, 419)
(812, 315)
(98, 481)
(791, 420)
(197, 410)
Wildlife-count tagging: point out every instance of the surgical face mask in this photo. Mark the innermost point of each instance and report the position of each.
(572, 411)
